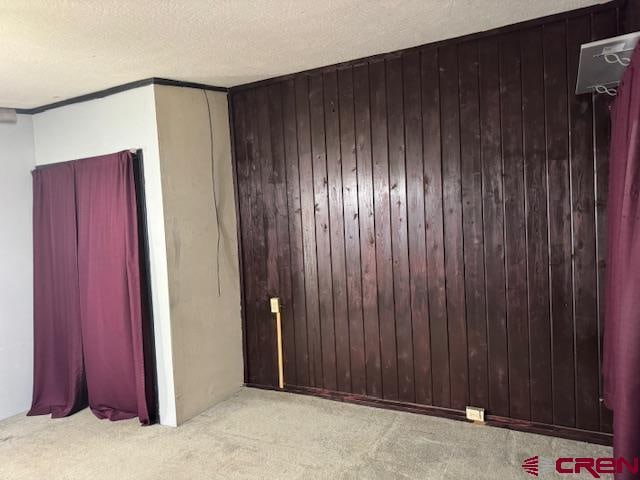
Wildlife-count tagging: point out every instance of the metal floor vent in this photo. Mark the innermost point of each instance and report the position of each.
(603, 62)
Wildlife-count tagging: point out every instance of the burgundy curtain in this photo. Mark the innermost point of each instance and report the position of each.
(109, 273)
(107, 285)
(59, 379)
(622, 320)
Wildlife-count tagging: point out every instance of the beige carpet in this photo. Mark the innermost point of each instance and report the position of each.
(270, 435)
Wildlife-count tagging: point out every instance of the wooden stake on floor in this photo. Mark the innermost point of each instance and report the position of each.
(275, 308)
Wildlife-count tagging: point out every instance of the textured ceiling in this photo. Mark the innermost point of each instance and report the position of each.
(51, 50)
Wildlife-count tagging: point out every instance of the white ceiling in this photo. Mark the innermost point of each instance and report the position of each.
(51, 50)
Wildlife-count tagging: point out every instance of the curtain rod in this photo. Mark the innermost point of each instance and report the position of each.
(134, 151)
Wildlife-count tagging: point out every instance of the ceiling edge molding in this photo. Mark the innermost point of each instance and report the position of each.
(118, 89)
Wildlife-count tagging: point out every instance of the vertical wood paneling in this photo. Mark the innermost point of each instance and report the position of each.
(584, 241)
(296, 313)
(253, 210)
(336, 228)
(434, 225)
(307, 205)
(559, 207)
(416, 228)
(535, 172)
(452, 205)
(399, 241)
(471, 172)
(282, 227)
(630, 16)
(366, 216)
(351, 230)
(323, 236)
(434, 221)
(269, 288)
(493, 213)
(384, 249)
(260, 151)
(242, 148)
(514, 221)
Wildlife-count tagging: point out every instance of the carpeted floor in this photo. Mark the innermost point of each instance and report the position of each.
(271, 435)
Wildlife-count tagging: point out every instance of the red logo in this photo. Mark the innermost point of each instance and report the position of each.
(596, 467)
(530, 465)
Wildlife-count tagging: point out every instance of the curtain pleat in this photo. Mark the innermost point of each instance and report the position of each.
(59, 377)
(110, 287)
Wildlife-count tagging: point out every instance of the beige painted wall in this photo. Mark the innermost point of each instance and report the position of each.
(206, 328)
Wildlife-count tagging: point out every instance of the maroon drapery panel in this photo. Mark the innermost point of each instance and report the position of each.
(59, 379)
(107, 294)
(621, 367)
(109, 273)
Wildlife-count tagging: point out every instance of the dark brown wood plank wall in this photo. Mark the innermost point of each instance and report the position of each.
(419, 304)
(434, 221)
(434, 226)
(535, 174)
(493, 226)
(630, 16)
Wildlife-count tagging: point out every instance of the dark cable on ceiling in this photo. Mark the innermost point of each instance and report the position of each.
(213, 187)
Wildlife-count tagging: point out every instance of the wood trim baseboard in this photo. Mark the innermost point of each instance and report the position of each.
(570, 433)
